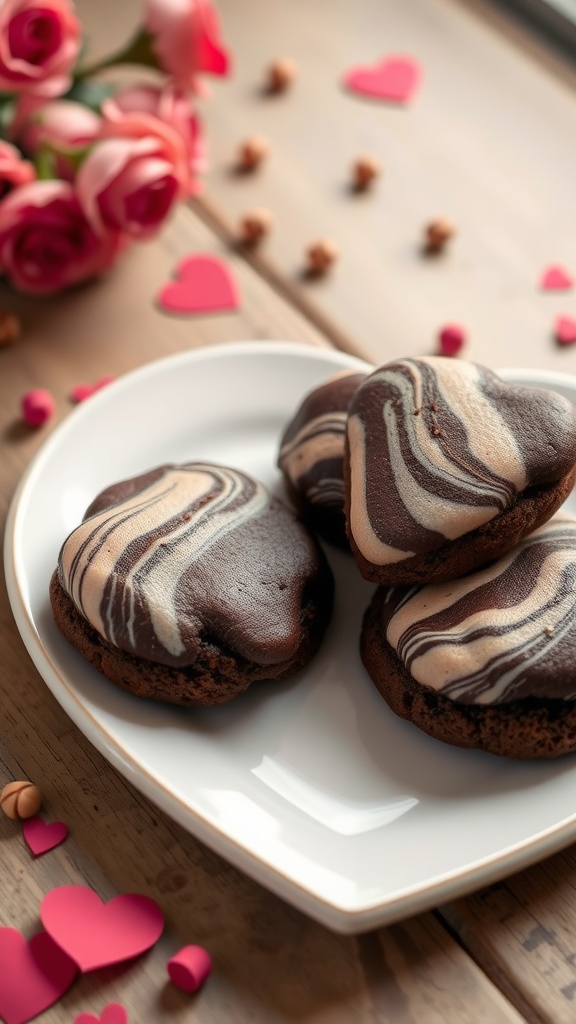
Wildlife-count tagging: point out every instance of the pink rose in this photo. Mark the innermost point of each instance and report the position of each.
(46, 243)
(172, 107)
(62, 127)
(39, 42)
(186, 39)
(13, 169)
(127, 185)
(171, 146)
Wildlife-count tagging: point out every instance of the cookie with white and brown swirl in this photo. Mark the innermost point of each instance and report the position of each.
(312, 455)
(190, 582)
(487, 661)
(448, 467)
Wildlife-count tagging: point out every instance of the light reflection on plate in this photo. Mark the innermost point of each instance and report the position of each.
(312, 786)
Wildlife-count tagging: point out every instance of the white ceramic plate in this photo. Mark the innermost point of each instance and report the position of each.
(311, 786)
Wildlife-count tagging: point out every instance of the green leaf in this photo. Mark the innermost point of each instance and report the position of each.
(46, 159)
(90, 93)
(45, 163)
(7, 107)
(139, 50)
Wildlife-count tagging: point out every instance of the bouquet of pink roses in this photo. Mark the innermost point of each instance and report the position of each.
(84, 167)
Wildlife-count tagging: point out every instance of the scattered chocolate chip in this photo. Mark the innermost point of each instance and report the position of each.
(365, 170)
(437, 234)
(254, 226)
(321, 256)
(280, 75)
(252, 152)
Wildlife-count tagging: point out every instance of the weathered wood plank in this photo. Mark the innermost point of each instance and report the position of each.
(522, 933)
(272, 964)
(487, 142)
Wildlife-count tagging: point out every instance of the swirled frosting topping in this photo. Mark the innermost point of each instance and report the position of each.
(312, 447)
(439, 446)
(505, 633)
(191, 553)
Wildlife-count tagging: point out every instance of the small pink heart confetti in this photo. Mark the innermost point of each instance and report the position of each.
(97, 934)
(204, 284)
(394, 79)
(80, 392)
(37, 407)
(451, 340)
(189, 968)
(42, 837)
(114, 1013)
(556, 278)
(565, 330)
(34, 975)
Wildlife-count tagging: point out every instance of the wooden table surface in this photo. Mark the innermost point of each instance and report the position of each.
(488, 142)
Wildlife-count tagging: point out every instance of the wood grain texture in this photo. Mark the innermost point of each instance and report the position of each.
(486, 142)
(416, 972)
(522, 932)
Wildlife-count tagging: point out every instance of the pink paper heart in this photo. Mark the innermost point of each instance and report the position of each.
(556, 278)
(114, 1013)
(41, 837)
(97, 934)
(33, 975)
(204, 284)
(394, 79)
(565, 330)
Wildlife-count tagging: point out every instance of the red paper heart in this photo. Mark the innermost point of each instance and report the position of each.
(41, 837)
(33, 975)
(114, 1013)
(394, 79)
(556, 278)
(565, 330)
(97, 934)
(204, 284)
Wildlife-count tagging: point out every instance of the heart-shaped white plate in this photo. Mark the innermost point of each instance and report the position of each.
(312, 786)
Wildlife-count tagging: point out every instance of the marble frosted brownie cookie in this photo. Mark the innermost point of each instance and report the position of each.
(312, 455)
(448, 467)
(487, 661)
(190, 582)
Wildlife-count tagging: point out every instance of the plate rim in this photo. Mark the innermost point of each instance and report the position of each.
(340, 917)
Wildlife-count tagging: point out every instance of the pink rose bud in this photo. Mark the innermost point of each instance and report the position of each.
(147, 105)
(40, 44)
(451, 339)
(131, 184)
(186, 39)
(61, 127)
(37, 407)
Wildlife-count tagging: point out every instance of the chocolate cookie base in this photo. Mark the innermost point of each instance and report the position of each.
(455, 558)
(523, 729)
(215, 677)
(328, 521)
